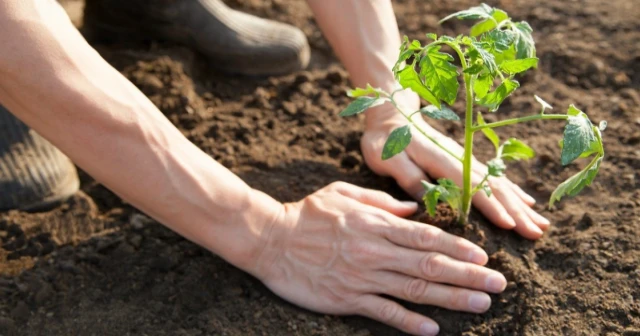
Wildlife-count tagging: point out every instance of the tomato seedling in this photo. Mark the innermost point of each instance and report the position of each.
(496, 50)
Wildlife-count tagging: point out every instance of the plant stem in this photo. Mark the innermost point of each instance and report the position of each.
(432, 139)
(479, 185)
(521, 119)
(468, 150)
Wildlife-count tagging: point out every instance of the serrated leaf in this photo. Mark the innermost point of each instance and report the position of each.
(495, 98)
(482, 85)
(474, 13)
(432, 36)
(409, 79)
(359, 92)
(577, 139)
(453, 195)
(517, 66)
(524, 45)
(407, 49)
(397, 141)
(499, 40)
(573, 185)
(361, 104)
(488, 132)
(544, 104)
(488, 24)
(496, 167)
(439, 113)
(440, 76)
(514, 149)
(574, 111)
(478, 52)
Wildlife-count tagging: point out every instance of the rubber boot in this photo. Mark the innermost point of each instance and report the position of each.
(34, 175)
(234, 42)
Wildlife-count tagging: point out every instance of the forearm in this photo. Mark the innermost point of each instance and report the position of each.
(365, 37)
(56, 83)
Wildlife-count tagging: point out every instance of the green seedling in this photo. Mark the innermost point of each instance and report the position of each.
(496, 50)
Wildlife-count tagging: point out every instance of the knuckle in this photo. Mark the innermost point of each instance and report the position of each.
(458, 300)
(427, 238)
(471, 273)
(338, 185)
(433, 265)
(415, 289)
(388, 311)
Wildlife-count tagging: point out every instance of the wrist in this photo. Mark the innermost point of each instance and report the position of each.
(248, 234)
(407, 101)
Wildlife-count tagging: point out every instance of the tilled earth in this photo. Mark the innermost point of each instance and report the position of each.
(96, 266)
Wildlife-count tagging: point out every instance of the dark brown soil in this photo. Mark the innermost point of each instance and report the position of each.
(96, 266)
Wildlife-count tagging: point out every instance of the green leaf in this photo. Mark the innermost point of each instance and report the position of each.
(453, 195)
(514, 149)
(578, 136)
(369, 90)
(474, 13)
(482, 85)
(595, 147)
(495, 98)
(517, 66)
(440, 76)
(573, 185)
(496, 167)
(573, 111)
(407, 49)
(544, 104)
(478, 53)
(474, 69)
(489, 24)
(489, 133)
(439, 113)
(432, 36)
(397, 141)
(432, 196)
(361, 104)
(409, 79)
(487, 189)
(524, 45)
(499, 40)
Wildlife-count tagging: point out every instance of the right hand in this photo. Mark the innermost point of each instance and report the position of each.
(339, 249)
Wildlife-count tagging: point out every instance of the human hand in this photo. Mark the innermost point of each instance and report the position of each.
(509, 207)
(338, 249)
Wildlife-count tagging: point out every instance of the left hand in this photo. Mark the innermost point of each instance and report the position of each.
(509, 207)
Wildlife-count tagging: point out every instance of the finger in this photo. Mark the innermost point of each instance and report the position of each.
(424, 237)
(495, 212)
(376, 198)
(395, 315)
(517, 209)
(440, 268)
(526, 198)
(542, 222)
(431, 293)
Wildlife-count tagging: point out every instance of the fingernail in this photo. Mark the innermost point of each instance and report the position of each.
(409, 204)
(478, 257)
(479, 302)
(429, 329)
(496, 283)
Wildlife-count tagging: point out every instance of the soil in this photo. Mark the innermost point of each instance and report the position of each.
(97, 266)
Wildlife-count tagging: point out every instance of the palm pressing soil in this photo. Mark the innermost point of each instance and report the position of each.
(96, 266)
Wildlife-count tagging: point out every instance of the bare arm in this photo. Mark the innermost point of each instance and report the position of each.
(56, 83)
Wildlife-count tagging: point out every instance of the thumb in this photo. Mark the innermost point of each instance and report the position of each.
(378, 199)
